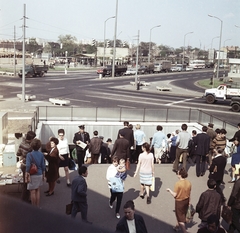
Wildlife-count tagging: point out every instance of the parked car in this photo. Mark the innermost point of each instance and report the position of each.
(130, 71)
(189, 68)
(174, 69)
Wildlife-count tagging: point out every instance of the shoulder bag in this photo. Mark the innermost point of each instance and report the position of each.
(116, 185)
(33, 168)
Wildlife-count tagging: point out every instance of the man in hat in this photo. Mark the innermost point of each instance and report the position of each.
(121, 147)
(212, 134)
(81, 136)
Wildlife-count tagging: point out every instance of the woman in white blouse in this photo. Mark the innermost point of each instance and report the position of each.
(64, 154)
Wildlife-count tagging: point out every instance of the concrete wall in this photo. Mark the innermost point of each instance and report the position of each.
(3, 127)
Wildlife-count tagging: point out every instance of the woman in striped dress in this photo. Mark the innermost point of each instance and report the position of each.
(145, 167)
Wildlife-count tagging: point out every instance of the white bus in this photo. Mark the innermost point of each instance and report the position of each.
(197, 64)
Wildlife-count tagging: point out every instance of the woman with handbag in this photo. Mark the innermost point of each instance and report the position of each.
(64, 154)
(145, 167)
(181, 194)
(111, 173)
(35, 180)
(53, 165)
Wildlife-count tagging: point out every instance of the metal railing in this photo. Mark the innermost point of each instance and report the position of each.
(168, 115)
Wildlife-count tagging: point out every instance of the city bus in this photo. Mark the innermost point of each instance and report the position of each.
(197, 64)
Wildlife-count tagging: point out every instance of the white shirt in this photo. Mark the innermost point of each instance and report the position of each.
(63, 146)
(131, 226)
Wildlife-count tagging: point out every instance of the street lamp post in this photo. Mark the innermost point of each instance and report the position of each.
(149, 51)
(184, 45)
(213, 39)
(104, 44)
(114, 44)
(137, 81)
(226, 56)
(219, 43)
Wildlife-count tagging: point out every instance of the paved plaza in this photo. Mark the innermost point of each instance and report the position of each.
(159, 215)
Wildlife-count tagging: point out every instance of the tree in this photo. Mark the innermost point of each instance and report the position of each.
(69, 44)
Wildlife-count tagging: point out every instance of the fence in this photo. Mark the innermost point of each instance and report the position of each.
(168, 115)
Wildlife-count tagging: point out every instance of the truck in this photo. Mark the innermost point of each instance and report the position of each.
(222, 93)
(107, 70)
(235, 104)
(162, 66)
(34, 70)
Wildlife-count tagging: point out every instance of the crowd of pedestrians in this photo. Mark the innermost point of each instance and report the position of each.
(206, 149)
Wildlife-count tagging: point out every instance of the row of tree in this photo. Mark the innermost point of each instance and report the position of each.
(69, 43)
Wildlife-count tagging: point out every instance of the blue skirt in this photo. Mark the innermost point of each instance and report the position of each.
(146, 178)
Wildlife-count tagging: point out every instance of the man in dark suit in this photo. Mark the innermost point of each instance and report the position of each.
(236, 135)
(131, 222)
(79, 194)
(121, 147)
(79, 137)
(202, 142)
(128, 133)
(217, 169)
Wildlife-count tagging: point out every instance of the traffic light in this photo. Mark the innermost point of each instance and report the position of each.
(108, 43)
(93, 42)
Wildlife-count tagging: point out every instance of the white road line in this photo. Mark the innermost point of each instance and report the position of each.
(87, 101)
(56, 88)
(181, 101)
(124, 106)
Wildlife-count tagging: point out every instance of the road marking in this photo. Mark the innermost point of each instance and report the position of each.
(87, 101)
(124, 106)
(181, 101)
(56, 88)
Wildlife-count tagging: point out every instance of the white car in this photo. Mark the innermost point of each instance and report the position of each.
(189, 68)
(174, 69)
(130, 71)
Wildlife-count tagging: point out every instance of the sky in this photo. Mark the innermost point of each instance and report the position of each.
(85, 19)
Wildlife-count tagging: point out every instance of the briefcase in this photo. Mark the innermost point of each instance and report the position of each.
(227, 214)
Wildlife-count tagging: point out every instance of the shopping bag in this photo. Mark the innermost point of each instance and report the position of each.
(152, 187)
(116, 185)
(227, 214)
(190, 213)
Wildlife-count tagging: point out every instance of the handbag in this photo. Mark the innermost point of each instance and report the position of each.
(152, 187)
(116, 185)
(226, 214)
(190, 213)
(33, 168)
(72, 165)
(69, 208)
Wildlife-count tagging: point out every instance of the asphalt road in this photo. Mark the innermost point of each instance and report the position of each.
(85, 89)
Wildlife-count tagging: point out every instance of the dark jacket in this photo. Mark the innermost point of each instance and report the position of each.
(79, 189)
(78, 137)
(236, 135)
(128, 134)
(219, 162)
(121, 148)
(122, 225)
(202, 142)
(234, 199)
(209, 203)
(212, 134)
(95, 145)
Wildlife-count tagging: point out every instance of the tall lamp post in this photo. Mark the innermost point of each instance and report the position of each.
(114, 44)
(150, 42)
(226, 56)
(184, 45)
(213, 39)
(104, 44)
(219, 43)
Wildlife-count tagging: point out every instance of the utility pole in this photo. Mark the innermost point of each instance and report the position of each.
(23, 54)
(114, 45)
(137, 80)
(14, 45)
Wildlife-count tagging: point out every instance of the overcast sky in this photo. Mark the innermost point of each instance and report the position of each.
(85, 19)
